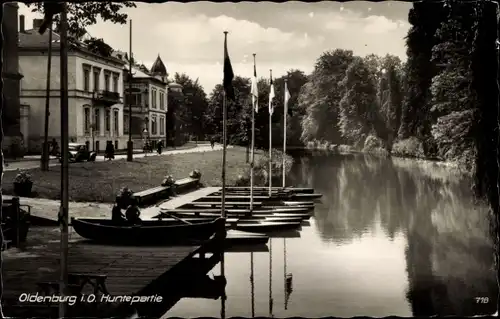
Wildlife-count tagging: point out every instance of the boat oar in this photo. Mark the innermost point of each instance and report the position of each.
(178, 218)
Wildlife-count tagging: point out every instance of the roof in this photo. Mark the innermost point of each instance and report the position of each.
(174, 85)
(158, 67)
(32, 39)
(136, 73)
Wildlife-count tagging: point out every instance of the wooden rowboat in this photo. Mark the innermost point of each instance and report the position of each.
(149, 232)
(208, 214)
(188, 217)
(264, 188)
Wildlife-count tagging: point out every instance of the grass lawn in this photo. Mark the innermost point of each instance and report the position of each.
(101, 181)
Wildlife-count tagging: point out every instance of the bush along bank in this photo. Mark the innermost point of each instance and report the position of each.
(411, 148)
(261, 169)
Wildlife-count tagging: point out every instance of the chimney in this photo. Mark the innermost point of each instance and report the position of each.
(37, 23)
(21, 23)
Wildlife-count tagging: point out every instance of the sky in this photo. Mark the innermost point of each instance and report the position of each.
(291, 35)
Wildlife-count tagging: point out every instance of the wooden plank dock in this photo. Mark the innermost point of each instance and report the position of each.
(184, 199)
(130, 270)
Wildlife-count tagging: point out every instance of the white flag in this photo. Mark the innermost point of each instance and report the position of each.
(271, 97)
(255, 91)
(287, 98)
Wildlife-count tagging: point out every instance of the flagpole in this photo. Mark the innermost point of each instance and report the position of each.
(270, 139)
(285, 112)
(252, 285)
(252, 160)
(224, 140)
(63, 213)
(270, 277)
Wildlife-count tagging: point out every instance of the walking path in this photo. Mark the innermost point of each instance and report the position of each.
(26, 164)
(48, 209)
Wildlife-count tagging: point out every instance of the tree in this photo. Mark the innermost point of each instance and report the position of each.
(358, 106)
(425, 18)
(194, 104)
(213, 115)
(322, 97)
(84, 14)
(390, 96)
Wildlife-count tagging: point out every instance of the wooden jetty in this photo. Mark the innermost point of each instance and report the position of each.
(121, 271)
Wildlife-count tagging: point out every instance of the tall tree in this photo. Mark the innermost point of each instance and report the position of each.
(84, 14)
(425, 17)
(323, 97)
(454, 105)
(194, 104)
(358, 107)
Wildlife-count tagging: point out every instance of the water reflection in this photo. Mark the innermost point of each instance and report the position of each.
(449, 254)
(390, 237)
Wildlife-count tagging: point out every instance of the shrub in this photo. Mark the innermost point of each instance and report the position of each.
(23, 177)
(410, 147)
(375, 145)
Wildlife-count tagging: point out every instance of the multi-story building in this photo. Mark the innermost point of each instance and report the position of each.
(95, 91)
(148, 97)
(11, 108)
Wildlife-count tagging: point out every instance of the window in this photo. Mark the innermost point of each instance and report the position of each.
(115, 83)
(86, 119)
(107, 78)
(153, 97)
(126, 118)
(162, 125)
(162, 100)
(154, 128)
(115, 121)
(86, 79)
(96, 80)
(135, 98)
(97, 120)
(107, 122)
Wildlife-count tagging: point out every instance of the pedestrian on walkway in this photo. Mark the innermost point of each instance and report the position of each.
(159, 146)
(212, 141)
(109, 153)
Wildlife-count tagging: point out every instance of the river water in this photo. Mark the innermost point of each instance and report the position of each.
(390, 237)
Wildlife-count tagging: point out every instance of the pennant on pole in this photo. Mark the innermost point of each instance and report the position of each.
(271, 94)
(255, 89)
(228, 72)
(287, 97)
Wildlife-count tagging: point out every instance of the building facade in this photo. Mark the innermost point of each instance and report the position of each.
(147, 94)
(95, 92)
(11, 107)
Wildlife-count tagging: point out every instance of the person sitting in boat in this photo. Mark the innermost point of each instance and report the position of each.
(117, 215)
(132, 213)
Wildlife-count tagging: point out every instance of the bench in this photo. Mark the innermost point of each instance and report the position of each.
(152, 195)
(186, 184)
(219, 204)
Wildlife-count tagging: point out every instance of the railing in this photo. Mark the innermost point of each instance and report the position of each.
(108, 96)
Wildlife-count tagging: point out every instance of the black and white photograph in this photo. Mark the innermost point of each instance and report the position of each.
(250, 159)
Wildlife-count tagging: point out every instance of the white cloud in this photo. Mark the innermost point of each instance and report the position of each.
(379, 24)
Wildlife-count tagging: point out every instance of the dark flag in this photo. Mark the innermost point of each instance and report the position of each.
(228, 72)
(50, 9)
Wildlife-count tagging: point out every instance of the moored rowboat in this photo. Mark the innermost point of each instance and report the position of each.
(149, 232)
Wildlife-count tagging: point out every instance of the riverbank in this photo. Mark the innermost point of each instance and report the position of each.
(407, 150)
(100, 181)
